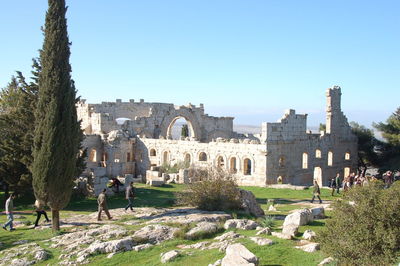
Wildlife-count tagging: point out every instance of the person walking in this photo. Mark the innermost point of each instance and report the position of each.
(39, 206)
(316, 192)
(333, 185)
(9, 212)
(337, 181)
(102, 202)
(130, 195)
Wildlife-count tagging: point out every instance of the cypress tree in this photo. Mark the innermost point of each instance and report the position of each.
(57, 131)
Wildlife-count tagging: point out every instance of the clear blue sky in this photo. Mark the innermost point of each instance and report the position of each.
(248, 59)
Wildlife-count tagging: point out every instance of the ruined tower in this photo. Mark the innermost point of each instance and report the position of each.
(334, 115)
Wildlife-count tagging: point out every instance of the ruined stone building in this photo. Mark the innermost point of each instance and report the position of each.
(131, 137)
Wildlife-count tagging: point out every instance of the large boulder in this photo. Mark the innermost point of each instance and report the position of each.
(290, 229)
(250, 204)
(155, 234)
(243, 224)
(237, 254)
(312, 247)
(299, 218)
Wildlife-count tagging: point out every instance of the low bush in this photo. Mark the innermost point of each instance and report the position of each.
(365, 226)
(211, 189)
(266, 221)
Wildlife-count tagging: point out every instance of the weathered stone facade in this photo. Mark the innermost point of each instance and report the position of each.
(131, 137)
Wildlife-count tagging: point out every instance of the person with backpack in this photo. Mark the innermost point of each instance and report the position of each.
(39, 209)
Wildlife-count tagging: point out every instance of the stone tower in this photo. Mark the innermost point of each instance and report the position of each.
(334, 115)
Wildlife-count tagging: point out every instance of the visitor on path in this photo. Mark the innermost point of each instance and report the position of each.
(102, 202)
(39, 209)
(337, 180)
(316, 192)
(115, 183)
(9, 212)
(130, 195)
(332, 185)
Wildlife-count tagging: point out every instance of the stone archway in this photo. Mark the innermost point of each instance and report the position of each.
(188, 115)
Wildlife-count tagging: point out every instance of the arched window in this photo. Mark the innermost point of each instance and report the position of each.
(281, 161)
(232, 166)
(330, 158)
(347, 156)
(93, 156)
(117, 157)
(220, 162)
(153, 152)
(187, 158)
(202, 157)
(247, 166)
(317, 153)
(165, 157)
(305, 160)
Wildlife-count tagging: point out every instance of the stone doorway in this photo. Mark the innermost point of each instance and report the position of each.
(318, 175)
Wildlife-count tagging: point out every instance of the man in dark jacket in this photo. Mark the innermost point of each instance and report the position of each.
(102, 202)
(130, 195)
(337, 181)
(316, 192)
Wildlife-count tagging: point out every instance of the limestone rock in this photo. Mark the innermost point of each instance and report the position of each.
(237, 254)
(221, 246)
(21, 262)
(264, 231)
(290, 229)
(250, 204)
(142, 247)
(309, 235)
(228, 235)
(199, 245)
(205, 227)
(299, 217)
(155, 234)
(312, 247)
(169, 256)
(262, 241)
(272, 208)
(318, 213)
(124, 244)
(243, 224)
(282, 236)
(326, 261)
(20, 242)
(41, 255)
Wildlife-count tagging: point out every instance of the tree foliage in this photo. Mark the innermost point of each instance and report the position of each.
(367, 147)
(185, 131)
(57, 131)
(390, 150)
(17, 122)
(364, 229)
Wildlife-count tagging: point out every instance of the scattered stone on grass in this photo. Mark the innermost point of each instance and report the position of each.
(199, 245)
(28, 254)
(264, 231)
(312, 247)
(250, 204)
(318, 212)
(169, 256)
(326, 261)
(202, 227)
(155, 234)
(142, 247)
(290, 229)
(237, 254)
(309, 235)
(272, 208)
(217, 263)
(228, 235)
(243, 224)
(281, 236)
(262, 241)
(299, 217)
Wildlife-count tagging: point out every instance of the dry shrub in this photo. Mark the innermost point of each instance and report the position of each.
(211, 189)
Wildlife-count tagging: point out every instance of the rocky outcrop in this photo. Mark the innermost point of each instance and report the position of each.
(155, 234)
(202, 227)
(27, 254)
(243, 224)
(250, 204)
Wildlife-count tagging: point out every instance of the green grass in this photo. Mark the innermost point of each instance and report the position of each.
(281, 253)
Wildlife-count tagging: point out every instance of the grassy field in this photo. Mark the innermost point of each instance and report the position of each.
(281, 253)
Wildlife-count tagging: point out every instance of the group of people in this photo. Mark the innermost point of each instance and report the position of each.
(39, 207)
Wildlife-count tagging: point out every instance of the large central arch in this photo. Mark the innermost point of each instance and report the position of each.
(187, 114)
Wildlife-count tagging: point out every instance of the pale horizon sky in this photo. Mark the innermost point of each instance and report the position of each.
(247, 59)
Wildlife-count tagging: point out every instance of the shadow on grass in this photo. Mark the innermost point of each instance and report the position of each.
(145, 197)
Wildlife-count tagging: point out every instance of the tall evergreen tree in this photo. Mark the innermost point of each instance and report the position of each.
(57, 131)
(17, 105)
(390, 150)
(185, 131)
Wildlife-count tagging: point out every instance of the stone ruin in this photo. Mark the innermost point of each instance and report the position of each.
(133, 139)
